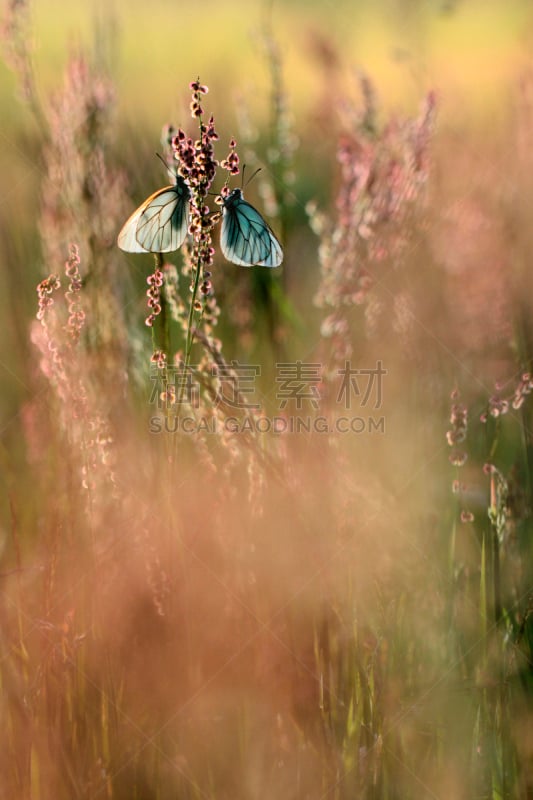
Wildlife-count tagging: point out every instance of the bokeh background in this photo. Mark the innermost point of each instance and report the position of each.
(297, 617)
(474, 55)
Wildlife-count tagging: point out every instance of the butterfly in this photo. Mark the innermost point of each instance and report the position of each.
(245, 238)
(160, 223)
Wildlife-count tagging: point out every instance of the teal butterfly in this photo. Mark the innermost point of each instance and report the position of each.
(160, 224)
(245, 238)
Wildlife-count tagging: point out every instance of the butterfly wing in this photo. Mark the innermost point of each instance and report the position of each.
(160, 224)
(246, 239)
(127, 238)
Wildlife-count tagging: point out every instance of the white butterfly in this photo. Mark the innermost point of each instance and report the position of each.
(246, 238)
(160, 224)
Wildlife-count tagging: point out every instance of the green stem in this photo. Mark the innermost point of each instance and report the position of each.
(161, 340)
(161, 336)
(496, 578)
(190, 334)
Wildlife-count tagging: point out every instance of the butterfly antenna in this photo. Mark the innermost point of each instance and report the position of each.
(170, 168)
(252, 176)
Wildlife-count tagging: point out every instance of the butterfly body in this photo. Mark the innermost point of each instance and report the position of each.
(160, 224)
(245, 238)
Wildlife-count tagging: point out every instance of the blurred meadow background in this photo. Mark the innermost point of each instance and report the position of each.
(237, 612)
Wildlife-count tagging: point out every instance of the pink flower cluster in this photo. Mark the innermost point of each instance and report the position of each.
(155, 282)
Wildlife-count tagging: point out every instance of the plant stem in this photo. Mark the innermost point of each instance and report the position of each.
(190, 334)
(161, 339)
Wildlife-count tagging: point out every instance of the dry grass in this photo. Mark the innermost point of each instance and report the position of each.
(255, 615)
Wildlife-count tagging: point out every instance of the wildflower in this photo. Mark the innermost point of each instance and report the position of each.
(524, 387)
(169, 396)
(155, 282)
(159, 358)
(76, 315)
(197, 166)
(458, 431)
(380, 179)
(231, 162)
(198, 88)
(498, 406)
(44, 294)
(458, 458)
(63, 362)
